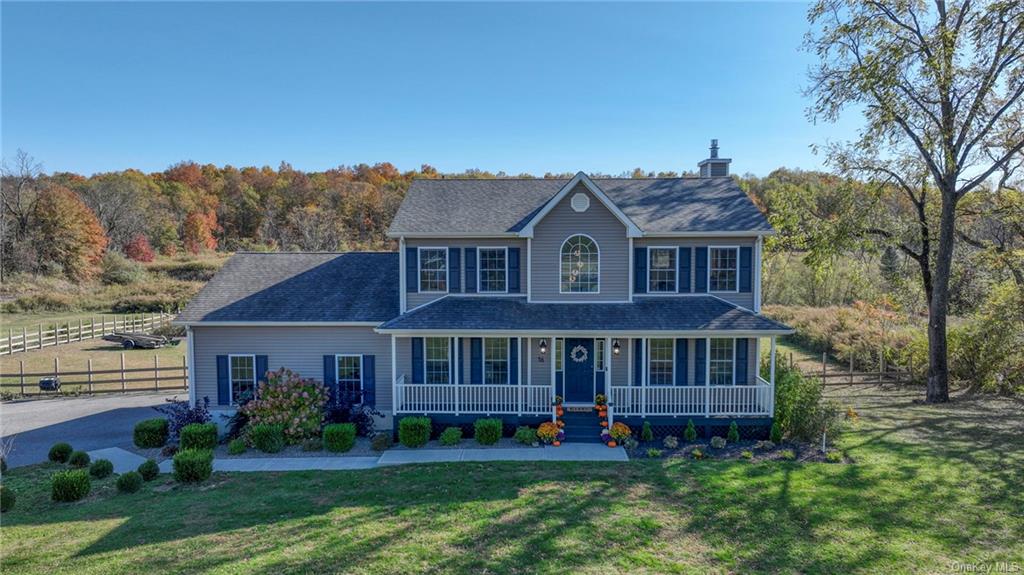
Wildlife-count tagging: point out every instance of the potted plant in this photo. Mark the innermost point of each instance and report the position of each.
(557, 401)
(548, 432)
(600, 402)
(620, 431)
(559, 437)
(606, 437)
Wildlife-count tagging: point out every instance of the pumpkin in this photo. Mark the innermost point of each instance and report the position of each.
(612, 443)
(603, 413)
(604, 424)
(557, 443)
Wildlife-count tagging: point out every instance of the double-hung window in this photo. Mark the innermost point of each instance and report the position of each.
(723, 271)
(433, 269)
(350, 377)
(722, 361)
(496, 360)
(662, 270)
(243, 377)
(660, 352)
(437, 356)
(493, 269)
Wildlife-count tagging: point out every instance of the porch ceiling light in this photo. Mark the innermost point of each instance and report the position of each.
(543, 346)
(616, 348)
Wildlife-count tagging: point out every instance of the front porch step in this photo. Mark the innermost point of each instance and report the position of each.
(582, 425)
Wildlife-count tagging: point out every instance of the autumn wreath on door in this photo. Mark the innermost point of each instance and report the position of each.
(578, 354)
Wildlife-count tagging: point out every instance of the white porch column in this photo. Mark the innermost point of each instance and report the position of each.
(395, 399)
(707, 376)
(608, 368)
(457, 355)
(519, 376)
(644, 362)
(771, 379)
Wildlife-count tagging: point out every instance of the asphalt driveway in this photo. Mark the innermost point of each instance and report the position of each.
(85, 422)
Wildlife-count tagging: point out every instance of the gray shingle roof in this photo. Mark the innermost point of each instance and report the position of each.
(656, 205)
(299, 287)
(684, 313)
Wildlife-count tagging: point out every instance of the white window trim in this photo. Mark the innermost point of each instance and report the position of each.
(426, 374)
(419, 269)
(231, 379)
(480, 270)
(737, 249)
(559, 259)
(337, 376)
(672, 361)
(600, 347)
(650, 269)
(483, 360)
(708, 376)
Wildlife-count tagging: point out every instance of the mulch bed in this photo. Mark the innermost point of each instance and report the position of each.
(803, 452)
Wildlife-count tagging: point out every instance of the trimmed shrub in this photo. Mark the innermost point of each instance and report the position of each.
(653, 453)
(381, 441)
(180, 413)
(70, 485)
(787, 454)
(734, 433)
(697, 453)
(288, 399)
(129, 482)
(414, 431)
(267, 437)
(670, 442)
(487, 431)
(60, 452)
(339, 437)
(747, 454)
(149, 469)
(199, 436)
(150, 433)
(691, 432)
(7, 499)
(646, 433)
(718, 442)
(776, 433)
(79, 459)
(193, 465)
(236, 447)
(526, 435)
(451, 436)
(101, 468)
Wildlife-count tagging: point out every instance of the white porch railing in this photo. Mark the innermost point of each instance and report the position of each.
(725, 400)
(459, 399)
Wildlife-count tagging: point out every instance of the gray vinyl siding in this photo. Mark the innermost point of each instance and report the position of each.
(300, 349)
(741, 299)
(597, 222)
(418, 299)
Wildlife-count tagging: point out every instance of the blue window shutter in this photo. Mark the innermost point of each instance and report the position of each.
(476, 367)
(470, 270)
(331, 377)
(680, 366)
(745, 256)
(223, 383)
(369, 380)
(741, 361)
(261, 371)
(701, 270)
(417, 360)
(513, 270)
(454, 273)
(639, 270)
(462, 362)
(684, 270)
(513, 360)
(412, 270)
(560, 383)
(638, 362)
(700, 363)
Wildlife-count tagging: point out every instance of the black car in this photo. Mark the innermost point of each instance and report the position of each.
(49, 384)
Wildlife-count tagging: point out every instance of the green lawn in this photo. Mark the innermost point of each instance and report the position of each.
(928, 486)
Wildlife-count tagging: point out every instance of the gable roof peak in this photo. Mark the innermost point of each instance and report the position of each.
(632, 230)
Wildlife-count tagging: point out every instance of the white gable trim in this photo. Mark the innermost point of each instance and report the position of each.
(632, 230)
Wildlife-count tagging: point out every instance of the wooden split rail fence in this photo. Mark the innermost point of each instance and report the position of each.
(26, 339)
(155, 378)
(837, 376)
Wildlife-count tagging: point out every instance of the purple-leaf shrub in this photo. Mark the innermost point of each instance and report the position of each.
(179, 414)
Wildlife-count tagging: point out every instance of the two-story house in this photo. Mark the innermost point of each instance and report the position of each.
(506, 293)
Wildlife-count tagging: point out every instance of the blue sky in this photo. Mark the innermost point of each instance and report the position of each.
(516, 87)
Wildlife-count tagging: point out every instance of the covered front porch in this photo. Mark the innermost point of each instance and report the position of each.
(642, 375)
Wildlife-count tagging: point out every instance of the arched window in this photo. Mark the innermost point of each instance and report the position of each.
(581, 263)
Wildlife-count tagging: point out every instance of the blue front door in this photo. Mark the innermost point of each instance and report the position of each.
(579, 370)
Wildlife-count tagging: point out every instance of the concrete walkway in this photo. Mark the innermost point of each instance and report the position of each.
(567, 452)
(123, 460)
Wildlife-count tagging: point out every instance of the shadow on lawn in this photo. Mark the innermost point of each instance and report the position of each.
(909, 501)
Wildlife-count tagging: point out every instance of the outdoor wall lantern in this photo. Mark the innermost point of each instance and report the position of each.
(616, 348)
(543, 346)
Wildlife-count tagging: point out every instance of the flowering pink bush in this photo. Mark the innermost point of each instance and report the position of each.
(288, 400)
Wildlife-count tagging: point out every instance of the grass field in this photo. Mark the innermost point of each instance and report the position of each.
(928, 486)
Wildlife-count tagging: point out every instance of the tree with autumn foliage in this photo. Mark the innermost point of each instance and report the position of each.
(139, 249)
(67, 233)
(197, 231)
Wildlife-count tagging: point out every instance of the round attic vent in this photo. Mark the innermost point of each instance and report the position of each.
(580, 202)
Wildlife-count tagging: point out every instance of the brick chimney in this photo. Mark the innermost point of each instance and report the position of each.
(714, 167)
